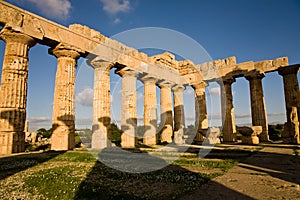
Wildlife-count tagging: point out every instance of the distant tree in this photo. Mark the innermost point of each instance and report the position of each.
(275, 131)
(115, 133)
(44, 133)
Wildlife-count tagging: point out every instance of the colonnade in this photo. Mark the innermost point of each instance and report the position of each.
(13, 97)
(172, 128)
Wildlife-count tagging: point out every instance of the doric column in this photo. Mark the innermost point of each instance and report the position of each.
(13, 91)
(150, 111)
(129, 113)
(229, 129)
(101, 137)
(63, 117)
(292, 103)
(201, 119)
(166, 108)
(258, 107)
(179, 121)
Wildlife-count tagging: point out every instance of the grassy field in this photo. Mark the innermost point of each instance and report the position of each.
(79, 175)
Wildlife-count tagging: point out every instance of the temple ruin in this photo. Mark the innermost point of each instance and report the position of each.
(22, 30)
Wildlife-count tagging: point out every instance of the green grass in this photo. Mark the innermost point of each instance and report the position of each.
(296, 152)
(78, 175)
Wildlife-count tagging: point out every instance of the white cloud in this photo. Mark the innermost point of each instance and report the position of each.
(241, 115)
(54, 8)
(117, 20)
(214, 91)
(36, 120)
(85, 97)
(114, 7)
(189, 91)
(139, 96)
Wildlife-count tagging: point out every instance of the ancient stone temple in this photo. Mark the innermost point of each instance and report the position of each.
(21, 30)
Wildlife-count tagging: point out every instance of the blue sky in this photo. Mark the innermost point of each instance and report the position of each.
(248, 29)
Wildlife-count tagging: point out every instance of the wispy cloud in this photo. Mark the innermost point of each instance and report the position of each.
(214, 91)
(39, 119)
(189, 91)
(85, 97)
(114, 7)
(59, 9)
(117, 20)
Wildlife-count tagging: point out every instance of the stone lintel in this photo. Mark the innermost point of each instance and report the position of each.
(165, 59)
(186, 63)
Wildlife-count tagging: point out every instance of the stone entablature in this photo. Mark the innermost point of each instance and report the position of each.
(213, 70)
(21, 30)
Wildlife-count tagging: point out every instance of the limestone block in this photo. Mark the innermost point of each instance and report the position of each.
(250, 134)
(291, 128)
(280, 62)
(211, 136)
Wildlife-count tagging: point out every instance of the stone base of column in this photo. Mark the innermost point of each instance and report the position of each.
(166, 134)
(211, 136)
(178, 137)
(264, 136)
(229, 137)
(12, 142)
(150, 138)
(128, 139)
(100, 140)
(290, 133)
(62, 139)
(199, 138)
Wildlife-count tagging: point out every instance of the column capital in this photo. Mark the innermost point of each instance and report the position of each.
(178, 88)
(254, 75)
(149, 79)
(62, 50)
(99, 64)
(165, 84)
(226, 80)
(291, 69)
(201, 85)
(126, 72)
(12, 36)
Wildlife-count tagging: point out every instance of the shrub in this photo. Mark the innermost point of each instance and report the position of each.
(275, 131)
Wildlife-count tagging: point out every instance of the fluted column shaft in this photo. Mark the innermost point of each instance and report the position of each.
(101, 137)
(13, 91)
(63, 117)
(229, 129)
(201, 118)
(150, 111)
(129, 112)
(166, 108)
(179, 121)
(292, 103)
(258, 107)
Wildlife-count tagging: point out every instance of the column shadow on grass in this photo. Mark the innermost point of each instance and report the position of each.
(117, 177)
(11, 165)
